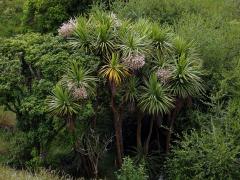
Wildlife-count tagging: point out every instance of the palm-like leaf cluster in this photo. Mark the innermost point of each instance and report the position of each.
(183, 47)
(186, 78)
(82, 34)
(161, 39)
(154, 98)
(131, 42)
(78, 78)
(131, 90)
(114, 70)
(61, 102)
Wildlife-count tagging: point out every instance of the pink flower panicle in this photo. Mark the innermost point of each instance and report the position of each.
(80, 93)
(135, 62)
(67, 29)
(163, 75)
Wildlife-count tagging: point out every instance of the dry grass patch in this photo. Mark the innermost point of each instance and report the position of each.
(11, 174)
(7, 119)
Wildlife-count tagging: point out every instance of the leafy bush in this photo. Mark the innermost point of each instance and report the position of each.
(205, 155)
(172, 10)
(212, 153)
(4, 145)
(45, 15)
(130, 171)
(11, 12)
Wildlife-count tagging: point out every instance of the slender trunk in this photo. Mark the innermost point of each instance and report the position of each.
(117, 127)
(94, 121)
(71, 124)
(189, 102)
(146, 147)
(171, 118)
(158, 138)
(95, 167)
(168, 137)
(119, 146)
(120, 134)
(139, 131)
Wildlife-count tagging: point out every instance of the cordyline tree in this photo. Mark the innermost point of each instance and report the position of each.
(75, 87)
(153, 71)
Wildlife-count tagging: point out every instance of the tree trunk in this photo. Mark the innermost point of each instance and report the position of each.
(117, 127)
(139, 131)
(146, 147)
(168, 137)
(119, 143)
(171, 118)
(189, 102)
(158, 139)
(71, 124)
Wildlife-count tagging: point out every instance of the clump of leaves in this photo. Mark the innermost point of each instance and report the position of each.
(206, 154)
(130, 171)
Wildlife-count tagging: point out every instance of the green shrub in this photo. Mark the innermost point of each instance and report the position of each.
(4, 145)
(209, 154)
(45, 15)
(172, 10)
(130, 171)
(11, 12)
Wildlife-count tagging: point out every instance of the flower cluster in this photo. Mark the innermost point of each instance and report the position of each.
(80, 93)
(163, 75)
(67, 29)
(135, 62)
(115, 20)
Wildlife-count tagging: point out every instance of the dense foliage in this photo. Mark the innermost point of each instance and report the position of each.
(130, 171)
(138, 89)
(212, 152)
(10, 17)
(45, 16)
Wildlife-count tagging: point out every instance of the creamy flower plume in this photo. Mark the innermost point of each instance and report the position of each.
(115, 20)
(79, 93)
(135, 62)
(67, 29)
(163, 75)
